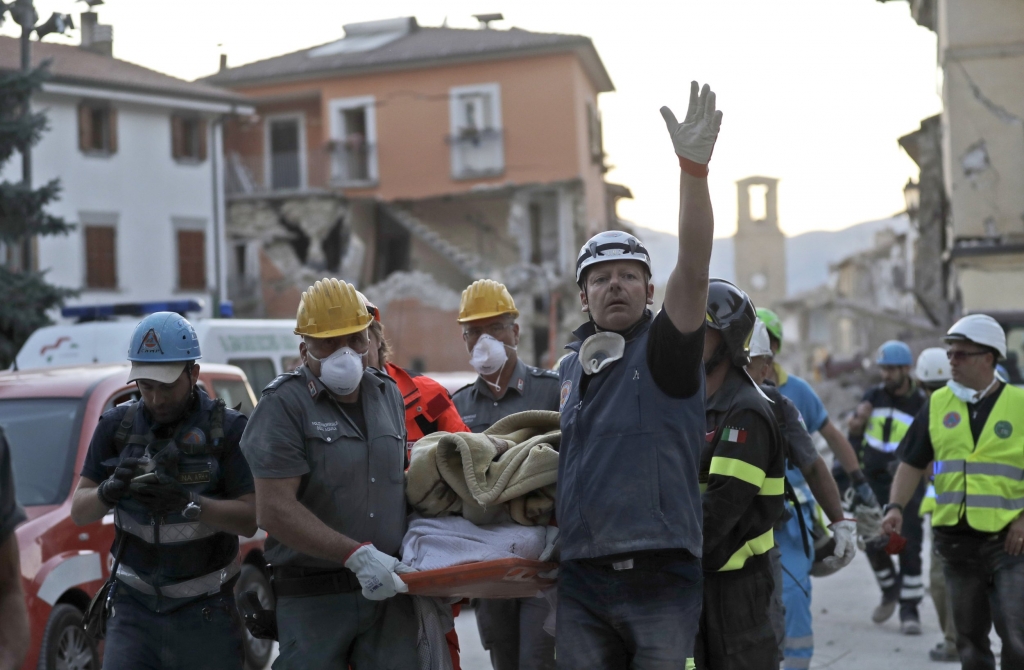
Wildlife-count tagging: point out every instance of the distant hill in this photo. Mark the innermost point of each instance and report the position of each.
(808, 255)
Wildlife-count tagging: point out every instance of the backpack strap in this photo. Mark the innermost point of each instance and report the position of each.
(125, 428)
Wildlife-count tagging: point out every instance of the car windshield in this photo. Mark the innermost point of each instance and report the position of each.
(234, 393)
(39, 432)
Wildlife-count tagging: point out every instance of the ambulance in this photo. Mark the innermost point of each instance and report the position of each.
(262, 348)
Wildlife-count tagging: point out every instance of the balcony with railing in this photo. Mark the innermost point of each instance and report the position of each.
(477, 153)
(339, 164)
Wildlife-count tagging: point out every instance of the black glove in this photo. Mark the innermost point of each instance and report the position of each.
(162, 496)
(112, 489)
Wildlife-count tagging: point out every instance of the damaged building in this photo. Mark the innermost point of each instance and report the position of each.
(411, 161)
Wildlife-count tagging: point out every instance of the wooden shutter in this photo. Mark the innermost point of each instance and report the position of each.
(84, 127)
(177, 137)
(112, 130)
(192, 260)
(201, 129)
(100, 257)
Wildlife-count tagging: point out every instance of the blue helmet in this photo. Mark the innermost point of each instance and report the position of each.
(164, 337)
(894, 353)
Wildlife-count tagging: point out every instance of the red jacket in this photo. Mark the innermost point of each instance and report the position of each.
(428, 407)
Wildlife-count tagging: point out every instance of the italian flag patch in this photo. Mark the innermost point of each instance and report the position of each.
(734, 435)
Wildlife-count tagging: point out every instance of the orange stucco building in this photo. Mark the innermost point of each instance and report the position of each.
(455, 153)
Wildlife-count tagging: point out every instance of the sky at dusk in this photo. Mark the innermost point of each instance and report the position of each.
(814, 92)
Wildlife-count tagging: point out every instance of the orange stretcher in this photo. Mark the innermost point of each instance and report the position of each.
(507, 578)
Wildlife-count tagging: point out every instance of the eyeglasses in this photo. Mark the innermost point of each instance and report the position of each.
(962, 355)
(494, 330)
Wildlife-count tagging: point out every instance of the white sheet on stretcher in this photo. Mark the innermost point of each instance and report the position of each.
(431, 544)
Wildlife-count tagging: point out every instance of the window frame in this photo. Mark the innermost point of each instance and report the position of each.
(458, 170)
(178, 121)
(111, 144)
(268, 176)
(335, 108)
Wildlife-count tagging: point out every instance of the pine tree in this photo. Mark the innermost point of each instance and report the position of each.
(25, 296)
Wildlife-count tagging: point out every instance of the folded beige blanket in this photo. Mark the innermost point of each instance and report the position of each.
(511, 467)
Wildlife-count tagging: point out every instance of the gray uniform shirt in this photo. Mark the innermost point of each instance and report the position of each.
(529, 388)
(352, 482)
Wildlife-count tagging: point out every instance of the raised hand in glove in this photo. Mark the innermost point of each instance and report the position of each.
(694, 138)
(863, 496)
(377, 572)
(161, 496)
(112, 489)
(845, 534)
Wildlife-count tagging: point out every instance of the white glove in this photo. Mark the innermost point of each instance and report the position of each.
(694, 138)
(377, 572)
(844, 533)
(869, 524)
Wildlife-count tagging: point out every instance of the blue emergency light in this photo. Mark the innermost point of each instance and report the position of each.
(103, 312)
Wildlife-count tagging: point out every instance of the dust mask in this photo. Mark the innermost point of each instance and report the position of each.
(342, 371)
(601, 350)
(969, 395)
(489, 355)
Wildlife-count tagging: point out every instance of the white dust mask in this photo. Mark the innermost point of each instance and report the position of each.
(489, 355)
(342, 371)
(969, 395)
(601, 350)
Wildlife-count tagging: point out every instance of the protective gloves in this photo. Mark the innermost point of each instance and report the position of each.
(864, 496)
(112, 489)
(377, 572)
(844, 533)
(694, 138)
(860, 501)
(163, 496)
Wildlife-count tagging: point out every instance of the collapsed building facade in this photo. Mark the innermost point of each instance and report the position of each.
(411, 161)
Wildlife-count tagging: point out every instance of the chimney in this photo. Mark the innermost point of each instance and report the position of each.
(223, 62)
(96, 37)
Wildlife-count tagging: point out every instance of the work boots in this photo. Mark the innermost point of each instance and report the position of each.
(910, 620)
(885, 609)
(944, 652)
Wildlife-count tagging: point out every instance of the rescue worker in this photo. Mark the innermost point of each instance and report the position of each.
(170, 468)
(428, 409)
(512, 629)
(932, 373)
(326, 444)
(797, 560)
(791, 596)
(973, 430)
(882, 418)
(632, 402)
(742, 471)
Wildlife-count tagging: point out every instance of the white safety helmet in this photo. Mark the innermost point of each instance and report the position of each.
(933, 366)
(981, 329)
(611, 245)
(760, 344)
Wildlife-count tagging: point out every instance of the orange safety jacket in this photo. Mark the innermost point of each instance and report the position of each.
(428, 407)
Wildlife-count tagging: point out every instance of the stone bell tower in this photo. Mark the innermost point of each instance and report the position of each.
(759, 243)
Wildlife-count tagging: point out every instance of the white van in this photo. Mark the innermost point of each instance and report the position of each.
(263, 348)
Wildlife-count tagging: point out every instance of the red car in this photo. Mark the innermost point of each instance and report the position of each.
(49, 416)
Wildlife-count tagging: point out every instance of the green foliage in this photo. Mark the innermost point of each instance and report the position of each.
(25, 296)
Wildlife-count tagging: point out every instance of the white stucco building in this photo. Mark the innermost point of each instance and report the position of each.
(139, 157)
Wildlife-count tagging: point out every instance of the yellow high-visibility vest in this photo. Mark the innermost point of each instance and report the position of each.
(983, 481)
(875, 434)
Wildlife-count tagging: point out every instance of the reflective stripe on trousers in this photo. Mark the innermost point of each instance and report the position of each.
(208, 584)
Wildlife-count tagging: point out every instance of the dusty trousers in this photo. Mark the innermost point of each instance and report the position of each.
(735, 625)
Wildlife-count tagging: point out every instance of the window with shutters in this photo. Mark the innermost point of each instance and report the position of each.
(100, 257)
(97, 128)
(477, 147)
(188, 138)
(191, 260)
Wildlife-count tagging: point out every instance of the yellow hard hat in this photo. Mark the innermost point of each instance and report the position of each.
(331, 308)
(485, 298)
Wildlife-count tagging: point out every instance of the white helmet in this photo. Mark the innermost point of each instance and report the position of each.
(932, 366)
(611, 245)
(981, 329)
(760, 344)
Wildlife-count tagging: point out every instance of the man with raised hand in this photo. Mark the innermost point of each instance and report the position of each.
(632, 402)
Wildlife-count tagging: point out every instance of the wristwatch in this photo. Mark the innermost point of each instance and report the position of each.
(892, 505)
(192, 509)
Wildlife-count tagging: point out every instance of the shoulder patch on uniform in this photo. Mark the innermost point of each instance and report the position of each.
(279, 380)
(566, 390)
